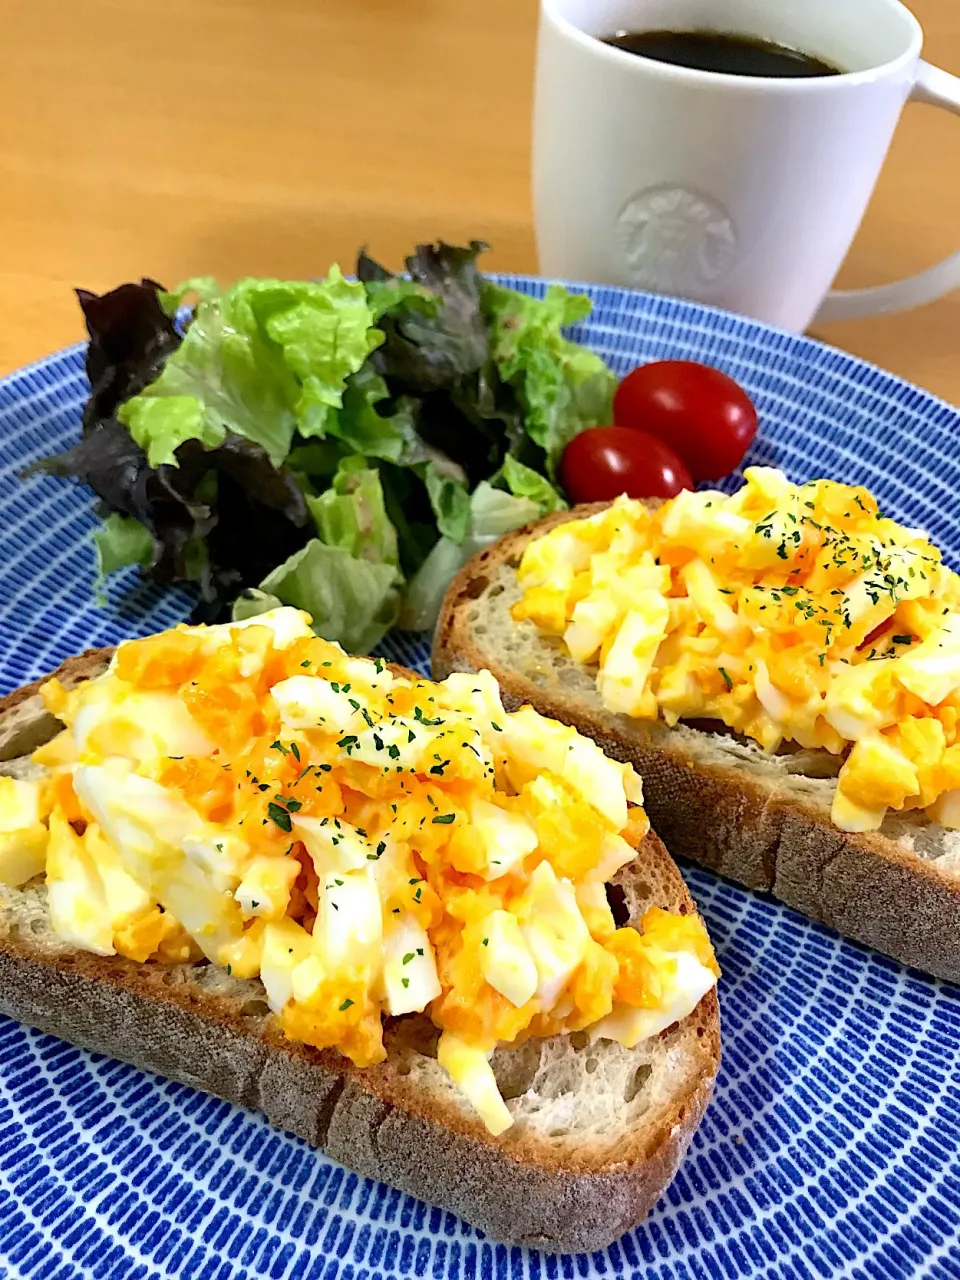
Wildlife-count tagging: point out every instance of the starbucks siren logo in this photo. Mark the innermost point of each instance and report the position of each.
(674, 240)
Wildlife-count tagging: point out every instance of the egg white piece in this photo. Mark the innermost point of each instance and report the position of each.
(371, 671)
(708, 600)
(506, 961)
(126, 900)
(287, 624)
(547, 745)
(285, 945)
(310, 702)
(615, 852)
(140, 725)
(477, 695)
(592, 620)
(469, 1067)
(19, 804)
(847, 815)
(266, 887)
(505, 838)
(700, 517)
(333, 844)
(148, 826)
(625, 670)
(931, 669)
(776, 703)
(219, 853)
(23, 837)
(867, 598)
(554, 931)
(78, 906)
(946, 810)
(595, 908)
(598, 779)
(629, 1026)
(851, 705)
(568, 550)
(537, 741)
(349, 927)
(409, 976)
(407, 743)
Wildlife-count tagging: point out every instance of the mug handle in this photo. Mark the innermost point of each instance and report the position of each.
(939, 89)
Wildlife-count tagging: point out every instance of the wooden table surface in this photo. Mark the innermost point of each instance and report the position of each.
(234, 137)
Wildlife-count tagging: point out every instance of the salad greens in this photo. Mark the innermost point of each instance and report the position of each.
(340, 445)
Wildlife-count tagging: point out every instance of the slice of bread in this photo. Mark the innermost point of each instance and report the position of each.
(719, 800)
(599, 1129)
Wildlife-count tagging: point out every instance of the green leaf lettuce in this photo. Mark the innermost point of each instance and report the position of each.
(121, 541)
(492, 513)
(262, 359)
(352, 515)
(524, 482)
(347, 578)
(563, 388)
(350, 600)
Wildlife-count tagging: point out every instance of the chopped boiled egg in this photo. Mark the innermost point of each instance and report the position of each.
(333, 844)
(498, 840)
(790, 613)
(409, 975)
(506, 961)
(946, 809)
(308, 702)
(286, 944)
(690, 982)
(931, 669)
(23, 836)
(152, 830)
(469, 1067)
(595, 908)
(363, 844)
(592, 620)
(126, 899)
(554, 930)
(539, 744)
(615, 852)
(625, 669)
(349, 927)
(856, 701)
(78, 906)
(265, 888)
(287, 626)
(140, 725)
(478, 695)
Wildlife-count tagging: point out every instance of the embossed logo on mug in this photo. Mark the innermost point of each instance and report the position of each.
(675, 240)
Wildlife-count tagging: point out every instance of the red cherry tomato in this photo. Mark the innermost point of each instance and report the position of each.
(698, 411)
(603, 462)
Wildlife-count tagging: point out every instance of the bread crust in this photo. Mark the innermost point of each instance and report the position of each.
(865, 885)
(374, 1120)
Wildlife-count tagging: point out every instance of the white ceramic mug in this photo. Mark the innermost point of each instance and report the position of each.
(739, 191)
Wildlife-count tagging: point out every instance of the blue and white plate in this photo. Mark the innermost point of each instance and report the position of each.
(832, 1147)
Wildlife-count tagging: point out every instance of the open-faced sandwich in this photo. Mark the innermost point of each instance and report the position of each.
(436, 938)
(782, 667)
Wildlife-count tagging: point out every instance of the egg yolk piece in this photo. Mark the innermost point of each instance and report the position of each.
(793, 614)
(367, 845)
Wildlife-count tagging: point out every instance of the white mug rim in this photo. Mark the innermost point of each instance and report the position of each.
(766, 84)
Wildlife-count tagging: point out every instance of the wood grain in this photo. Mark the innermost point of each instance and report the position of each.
(230, 137)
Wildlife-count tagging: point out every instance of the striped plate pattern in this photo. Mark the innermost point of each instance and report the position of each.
(833, 1145)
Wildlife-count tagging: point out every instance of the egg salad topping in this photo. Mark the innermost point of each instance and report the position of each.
(366, 845)
(790, 613)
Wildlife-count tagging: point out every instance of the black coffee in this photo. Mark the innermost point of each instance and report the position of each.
(730, 54)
